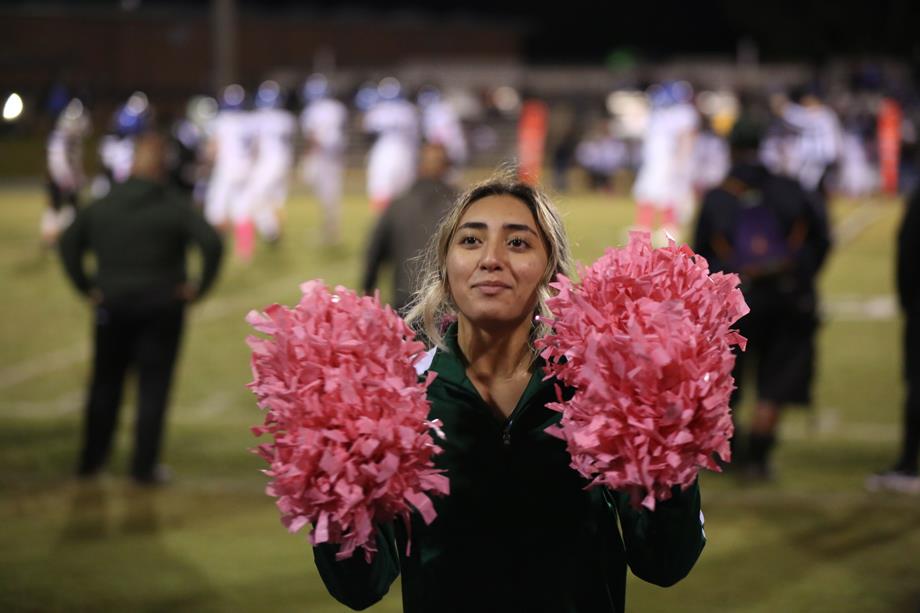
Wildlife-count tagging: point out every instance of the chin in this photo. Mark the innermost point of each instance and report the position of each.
(491, 320)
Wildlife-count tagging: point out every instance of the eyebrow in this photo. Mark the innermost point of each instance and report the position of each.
(514, 227)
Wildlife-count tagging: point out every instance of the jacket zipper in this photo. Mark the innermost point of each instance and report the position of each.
(506, 431)
(506, 428)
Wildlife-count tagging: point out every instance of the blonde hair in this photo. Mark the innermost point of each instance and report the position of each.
(432, 304)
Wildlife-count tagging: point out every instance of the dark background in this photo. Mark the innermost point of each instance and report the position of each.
(588, 31)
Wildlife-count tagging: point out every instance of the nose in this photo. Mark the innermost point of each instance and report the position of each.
(492, 257)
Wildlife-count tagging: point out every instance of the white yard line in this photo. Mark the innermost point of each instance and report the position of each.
(66, 403)
(823, 423)
(60, 359)
(72, 401)
(882, 307)
(213, 405)
(850, 227)
(43, 364)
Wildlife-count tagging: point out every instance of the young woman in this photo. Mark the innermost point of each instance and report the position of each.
(519, 532)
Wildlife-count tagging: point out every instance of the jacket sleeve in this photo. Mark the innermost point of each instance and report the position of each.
(378, 250)
(662, 545)
(72, 244)
(908, 259)
(208, 240)
(818, 241)
(702, 235)
(712, 234)
(354, 582)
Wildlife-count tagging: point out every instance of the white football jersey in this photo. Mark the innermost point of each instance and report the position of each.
(665, 127)
(442, 125)
(65, 158)
(275, 131)
(665, 175)
(818, 144)
(117, 154)
(234, 136)
(393, 119)
(324, 123)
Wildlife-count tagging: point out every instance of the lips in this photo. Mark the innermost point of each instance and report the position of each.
(496, 284)
(491, 288)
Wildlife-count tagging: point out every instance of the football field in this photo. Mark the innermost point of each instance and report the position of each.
(811, 541)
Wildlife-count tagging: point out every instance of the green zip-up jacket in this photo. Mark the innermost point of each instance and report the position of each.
(139, 233)
(518, 532)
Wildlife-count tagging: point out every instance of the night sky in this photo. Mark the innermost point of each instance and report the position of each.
(582, 31)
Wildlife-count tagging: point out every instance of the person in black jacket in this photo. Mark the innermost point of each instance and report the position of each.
(139, 233)
(775, 236)
(903, 476)
(403, 229)
(520, 530)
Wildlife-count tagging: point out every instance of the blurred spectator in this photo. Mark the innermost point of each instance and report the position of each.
(391, 162)
(664, 184)
(139, 234)
(189, 139)
(324, 123)
(231, 150)
(774, 234)
(903, 476)
(909, 154)
(857, 177)
(265, 193)
(818, 143)
(564, 156)
(65, 169)
(404, 229)
(710, 158)
(116, 148)
(441, 124)
(601, 154)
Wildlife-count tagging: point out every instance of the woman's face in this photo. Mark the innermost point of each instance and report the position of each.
(495, 262)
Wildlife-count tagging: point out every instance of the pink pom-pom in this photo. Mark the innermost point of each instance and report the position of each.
(348, 417)
(645, 341)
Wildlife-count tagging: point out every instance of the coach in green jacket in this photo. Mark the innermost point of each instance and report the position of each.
(139, 234)
(518, 532)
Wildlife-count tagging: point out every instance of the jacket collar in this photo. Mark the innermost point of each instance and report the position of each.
(450, 364)
(451, 368)
(135, 186)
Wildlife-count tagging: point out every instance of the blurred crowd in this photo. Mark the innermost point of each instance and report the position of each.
(236, 152)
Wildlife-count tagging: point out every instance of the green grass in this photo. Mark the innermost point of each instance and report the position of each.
(811, 541)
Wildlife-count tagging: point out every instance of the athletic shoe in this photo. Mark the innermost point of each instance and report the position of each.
(899, 481)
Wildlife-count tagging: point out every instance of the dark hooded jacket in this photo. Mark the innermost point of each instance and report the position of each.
(518, 532)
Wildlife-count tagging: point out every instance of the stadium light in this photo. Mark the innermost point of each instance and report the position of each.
(721, 108)
(506, 99)
(201, 110)
(630, 110)
(12, 108)
(137, 103)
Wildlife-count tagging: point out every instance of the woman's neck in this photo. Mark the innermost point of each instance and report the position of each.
(499, 353)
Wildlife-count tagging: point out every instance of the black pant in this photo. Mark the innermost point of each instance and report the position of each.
(146, 338)
(780, 330)
(61, 196)
(910, 446)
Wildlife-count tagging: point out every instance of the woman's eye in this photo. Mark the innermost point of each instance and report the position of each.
(518, 242)
(467, 240)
